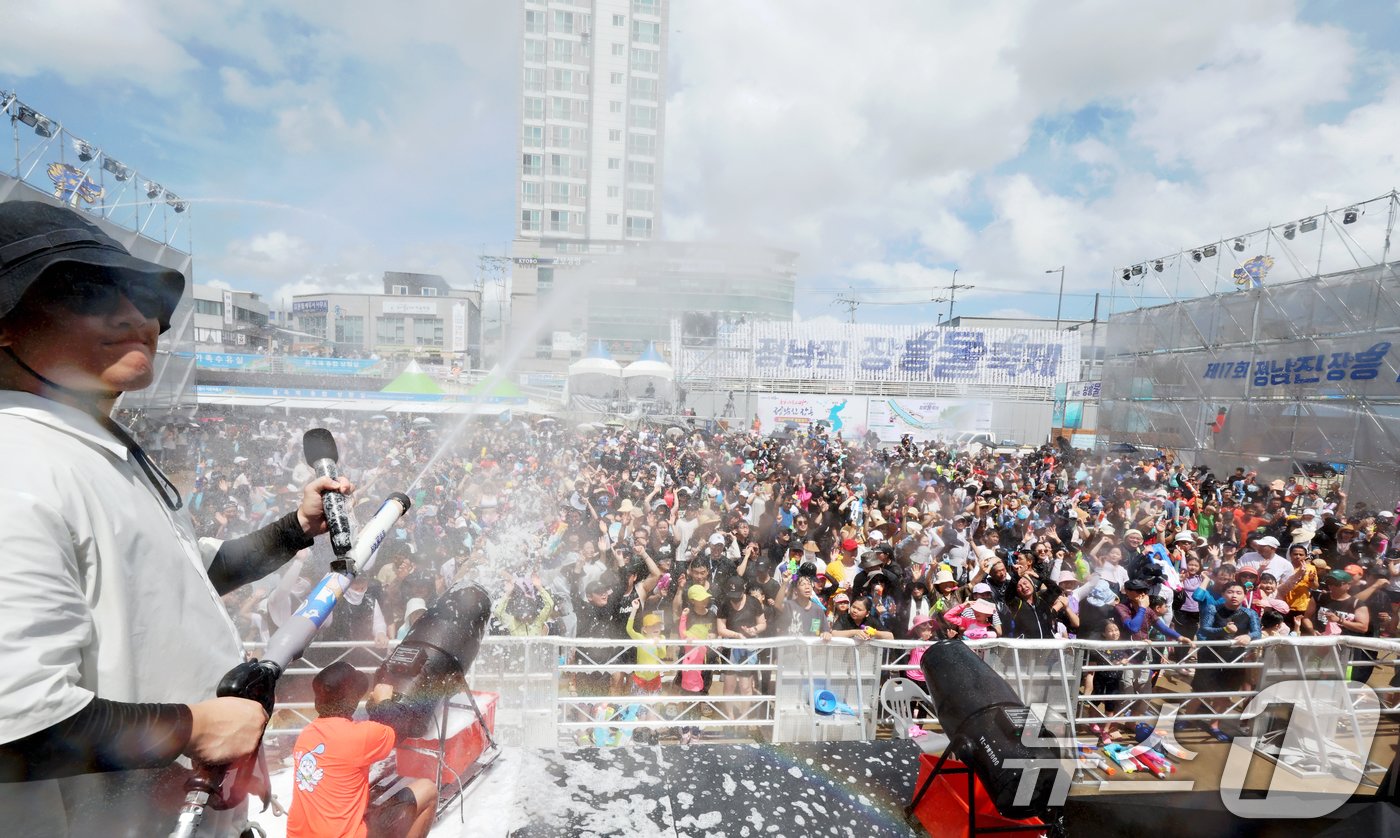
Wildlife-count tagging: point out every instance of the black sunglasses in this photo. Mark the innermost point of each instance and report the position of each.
(96, 297)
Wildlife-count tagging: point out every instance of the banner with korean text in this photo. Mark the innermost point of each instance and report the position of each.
(845, 415)
(777, 351)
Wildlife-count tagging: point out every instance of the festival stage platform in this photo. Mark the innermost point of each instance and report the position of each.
(798, 790)
(853, 789)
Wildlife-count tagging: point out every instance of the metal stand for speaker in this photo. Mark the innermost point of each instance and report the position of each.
(1053, 829)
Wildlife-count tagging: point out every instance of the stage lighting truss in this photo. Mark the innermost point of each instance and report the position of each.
(1290, 230)
(118, 171)
(85, 151)
(1350, 214)
(1127, 275)
(1307, 225)
(153, 190)
(1238, 245)
(1137, 270)
(174, 201)
(1157, 266)
(1208, 251)
(1195, 256)
(42, 125)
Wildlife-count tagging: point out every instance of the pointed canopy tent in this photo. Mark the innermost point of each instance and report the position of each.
(650, 370)
(596, 375)
(495, 387)
(413, 380)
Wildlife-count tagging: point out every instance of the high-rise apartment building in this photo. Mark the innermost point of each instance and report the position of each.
(592, 107)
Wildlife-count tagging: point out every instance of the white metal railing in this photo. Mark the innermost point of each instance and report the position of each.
(559, 689)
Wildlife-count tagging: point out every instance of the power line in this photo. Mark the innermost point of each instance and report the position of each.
(943, 300)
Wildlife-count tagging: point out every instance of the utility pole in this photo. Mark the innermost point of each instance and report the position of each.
(850, 304)
(952, 289)
(1059, 300)
(1094, 336)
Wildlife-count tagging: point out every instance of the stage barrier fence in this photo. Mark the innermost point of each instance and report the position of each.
(562, 692)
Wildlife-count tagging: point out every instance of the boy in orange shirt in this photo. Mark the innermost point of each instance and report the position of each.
(332, 758)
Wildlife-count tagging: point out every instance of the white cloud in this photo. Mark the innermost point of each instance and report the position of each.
(92, 42)
(853, 131)
(327, 280)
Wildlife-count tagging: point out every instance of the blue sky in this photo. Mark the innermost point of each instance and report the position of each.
(323, 143)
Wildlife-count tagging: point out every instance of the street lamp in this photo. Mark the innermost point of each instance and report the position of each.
(1059, 300)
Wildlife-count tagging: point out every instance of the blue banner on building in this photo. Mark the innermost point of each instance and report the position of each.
(342, 366)
(230, 361)
(801, 351)
(212, 391)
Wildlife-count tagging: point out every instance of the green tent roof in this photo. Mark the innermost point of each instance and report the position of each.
(413, 380)
(496, 387)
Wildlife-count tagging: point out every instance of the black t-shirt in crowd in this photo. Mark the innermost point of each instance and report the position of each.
(804, 619)
(740, 614)
(1343, 608)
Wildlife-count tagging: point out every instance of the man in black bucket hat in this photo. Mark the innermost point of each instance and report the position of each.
(112, 632)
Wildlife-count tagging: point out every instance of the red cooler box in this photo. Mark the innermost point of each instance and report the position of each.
(943, 809)
(465, 740)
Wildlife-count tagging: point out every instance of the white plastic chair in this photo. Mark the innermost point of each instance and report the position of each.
(899, 697)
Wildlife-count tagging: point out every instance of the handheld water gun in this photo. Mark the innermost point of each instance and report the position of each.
(1120, 755)
(556, 537)
(603, 736)
(1155, 762)
(1089, 758)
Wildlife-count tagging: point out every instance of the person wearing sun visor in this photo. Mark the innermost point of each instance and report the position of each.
(113, 636)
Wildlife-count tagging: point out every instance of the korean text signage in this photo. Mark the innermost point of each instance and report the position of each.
(1362, 364)
(411, 307)
(778, 351)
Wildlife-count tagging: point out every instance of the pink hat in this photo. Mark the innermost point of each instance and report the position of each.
(919, 621)
(982, 606)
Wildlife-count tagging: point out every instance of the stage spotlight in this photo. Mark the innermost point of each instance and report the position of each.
(1290, 230)
(174, 201)
(1195, 256)
(1208, 251)
(85, 152)
(1157, 266)
(118, 171)
(1239, 245)
(1350, 215)
(40, 123)
(1307, 225)
(1137, 270)
(1126, 275)
(153, 189)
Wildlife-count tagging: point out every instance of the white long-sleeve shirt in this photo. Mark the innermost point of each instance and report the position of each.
(103, 591)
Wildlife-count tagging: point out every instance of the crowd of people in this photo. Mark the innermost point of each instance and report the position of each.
(656, 532)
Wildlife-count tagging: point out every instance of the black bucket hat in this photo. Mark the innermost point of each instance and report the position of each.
(35, 236)
(339, 685)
